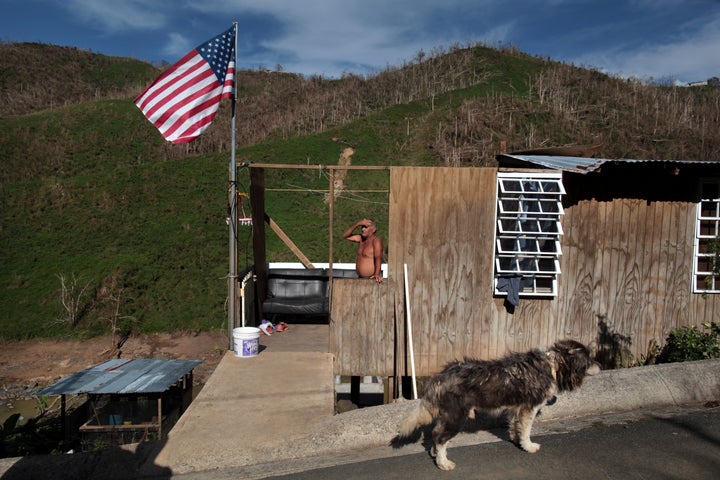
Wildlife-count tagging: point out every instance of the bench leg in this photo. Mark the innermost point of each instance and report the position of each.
(355, 390)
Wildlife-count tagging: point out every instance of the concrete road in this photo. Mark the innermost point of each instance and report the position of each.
(286, 439)
(686, 446)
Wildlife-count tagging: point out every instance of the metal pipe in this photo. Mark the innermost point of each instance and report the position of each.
(410, 340)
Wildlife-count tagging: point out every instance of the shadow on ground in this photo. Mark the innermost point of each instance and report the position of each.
(111, 463)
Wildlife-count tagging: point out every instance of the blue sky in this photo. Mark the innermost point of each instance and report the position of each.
(662, 39)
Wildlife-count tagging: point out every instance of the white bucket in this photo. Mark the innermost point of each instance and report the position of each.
(246, 341)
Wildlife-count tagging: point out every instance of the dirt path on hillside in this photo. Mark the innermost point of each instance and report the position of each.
(339, 179)
(26, 366)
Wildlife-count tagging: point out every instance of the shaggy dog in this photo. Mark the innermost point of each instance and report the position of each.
(520, 383)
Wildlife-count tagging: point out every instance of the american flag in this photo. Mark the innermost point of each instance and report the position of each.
(183, 101)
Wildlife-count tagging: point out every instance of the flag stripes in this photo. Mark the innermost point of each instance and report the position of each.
(184, 100)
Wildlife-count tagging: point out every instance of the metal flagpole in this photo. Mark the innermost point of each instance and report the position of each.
(232, 275)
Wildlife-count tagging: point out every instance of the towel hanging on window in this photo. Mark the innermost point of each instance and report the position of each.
(511, 285)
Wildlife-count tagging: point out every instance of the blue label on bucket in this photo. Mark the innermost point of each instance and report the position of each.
(249, 348)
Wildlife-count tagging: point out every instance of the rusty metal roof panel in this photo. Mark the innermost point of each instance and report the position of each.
(582, 164)
(123, 376)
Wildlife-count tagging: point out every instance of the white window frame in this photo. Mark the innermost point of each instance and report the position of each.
(528, 230)
(707, 228)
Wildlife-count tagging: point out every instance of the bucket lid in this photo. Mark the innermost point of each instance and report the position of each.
(245, 330)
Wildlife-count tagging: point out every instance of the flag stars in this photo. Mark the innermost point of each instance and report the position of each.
(218, 53)
(182, 107)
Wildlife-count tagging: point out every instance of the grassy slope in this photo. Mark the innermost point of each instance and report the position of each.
(152, 234)
(86, 193)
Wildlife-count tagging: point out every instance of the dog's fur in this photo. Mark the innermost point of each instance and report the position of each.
(520, 383)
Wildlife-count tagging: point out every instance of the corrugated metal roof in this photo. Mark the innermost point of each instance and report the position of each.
(142, 375)
(582, 164)
(566, 164)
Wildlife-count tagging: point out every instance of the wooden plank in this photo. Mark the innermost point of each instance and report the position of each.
(290, 244)
(645, 249)
(401, 251)
(629, 319)
(291, 166)
(652, 249)
(427, 208)
(644, 239)
(600, 289)
(616, 265)
(361, 328)
(586, 274)
(663, 252)
(396, 231)
(704, 308)
(678, 298)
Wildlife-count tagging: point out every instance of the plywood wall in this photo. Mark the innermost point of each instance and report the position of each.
(362, 328)
(626, 273)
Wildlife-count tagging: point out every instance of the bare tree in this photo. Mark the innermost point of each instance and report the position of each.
(72, 299)
(119, 334)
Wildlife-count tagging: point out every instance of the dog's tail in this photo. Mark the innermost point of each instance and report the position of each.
(424, 414)
(419, 417)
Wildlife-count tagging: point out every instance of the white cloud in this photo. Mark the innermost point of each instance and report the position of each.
(117, 15)
(328, 37)
(686, 58)
(177, 45)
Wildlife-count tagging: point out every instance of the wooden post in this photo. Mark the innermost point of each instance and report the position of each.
(63, 413)
(331, 213)
(257, 200)
(160, 419)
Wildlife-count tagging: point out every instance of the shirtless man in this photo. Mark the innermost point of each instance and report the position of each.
(370, 251)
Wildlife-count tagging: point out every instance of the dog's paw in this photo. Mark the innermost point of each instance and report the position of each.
(446, 465)
(530, 447)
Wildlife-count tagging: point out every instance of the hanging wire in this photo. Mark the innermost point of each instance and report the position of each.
(246, 242)
(344, 194)
(355, 196)
(232, 206)
(244, 220)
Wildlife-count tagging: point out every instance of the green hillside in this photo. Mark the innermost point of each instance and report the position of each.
(105, 225)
